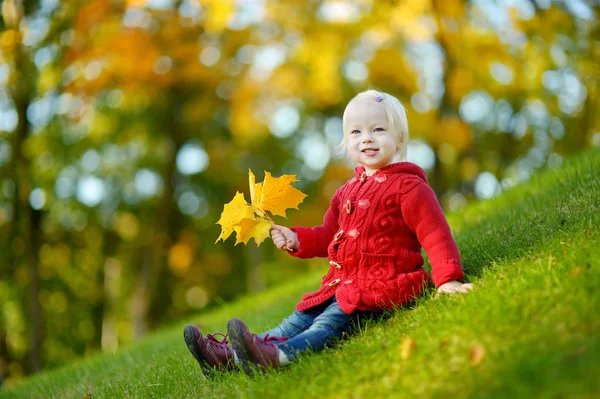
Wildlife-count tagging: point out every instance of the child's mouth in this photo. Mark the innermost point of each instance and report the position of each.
(370, 151)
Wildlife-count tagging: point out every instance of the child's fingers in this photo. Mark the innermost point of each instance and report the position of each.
(279, 241)
(289, 236)
(447, 290)
(464, 288)
(283, 237)
(276, 235)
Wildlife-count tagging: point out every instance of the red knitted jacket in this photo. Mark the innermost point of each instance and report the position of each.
(372, 235)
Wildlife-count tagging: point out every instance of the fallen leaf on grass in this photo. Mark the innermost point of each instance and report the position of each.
(408, 347)
(476, 355)
(444, 343)
(577, 270)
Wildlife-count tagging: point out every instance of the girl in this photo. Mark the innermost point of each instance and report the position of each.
(372, 235)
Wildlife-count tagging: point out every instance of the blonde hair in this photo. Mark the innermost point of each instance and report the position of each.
(396, 114)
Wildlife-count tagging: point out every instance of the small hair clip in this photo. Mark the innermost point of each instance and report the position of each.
(379, 99)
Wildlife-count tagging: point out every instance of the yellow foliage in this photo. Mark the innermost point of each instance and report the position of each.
(102, 125)
(288, 80)
(458, 83)
(450, 8)
(423, 125)
(278, 194)
(218, 14)
(135, 3)
(198, 110)
(9, 41)
(90, 14)
(469, 169)
(255, 190)
(323, 80)
(34, 146)
(233, 213)
(126, 225)
(133, 56)
(454, 132)
(180, 257)
(242, 121)
(274, 195)
(49, 78)
(407, 13)
(390, 67)
(253, 228)
(546, 24)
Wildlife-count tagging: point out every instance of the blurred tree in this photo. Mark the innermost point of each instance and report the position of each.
(25, 226)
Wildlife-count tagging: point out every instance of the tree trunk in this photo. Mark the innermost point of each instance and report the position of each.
(152, 284)
(140, 301)
(29, 220)
(112, 276)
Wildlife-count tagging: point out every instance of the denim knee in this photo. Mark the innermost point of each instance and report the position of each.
(296, 323)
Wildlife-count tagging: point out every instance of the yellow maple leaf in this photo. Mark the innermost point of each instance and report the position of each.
(274, 195)
(253, 228)
(255, 190)
(233, 213)
(278, 194)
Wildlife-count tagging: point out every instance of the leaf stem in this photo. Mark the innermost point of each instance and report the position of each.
(263, 214)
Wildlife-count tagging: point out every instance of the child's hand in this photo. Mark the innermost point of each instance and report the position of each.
(452, 287)
(284, 238)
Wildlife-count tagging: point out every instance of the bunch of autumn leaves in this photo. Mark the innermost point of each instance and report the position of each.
(253, 220)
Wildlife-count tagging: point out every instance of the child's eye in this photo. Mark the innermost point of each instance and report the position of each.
(379, 129)
(355, 132)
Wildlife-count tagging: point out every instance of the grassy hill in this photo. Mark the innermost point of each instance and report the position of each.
(531, 327)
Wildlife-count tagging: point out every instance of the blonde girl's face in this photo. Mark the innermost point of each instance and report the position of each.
(370, 140)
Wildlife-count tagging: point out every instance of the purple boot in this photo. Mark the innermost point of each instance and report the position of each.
(211, 354)
(252, 349)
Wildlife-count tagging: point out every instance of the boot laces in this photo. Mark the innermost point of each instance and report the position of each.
(213, 338)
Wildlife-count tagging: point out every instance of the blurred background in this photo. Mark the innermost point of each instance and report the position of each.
(125, 126)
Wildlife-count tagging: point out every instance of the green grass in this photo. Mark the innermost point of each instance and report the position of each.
(534, 256)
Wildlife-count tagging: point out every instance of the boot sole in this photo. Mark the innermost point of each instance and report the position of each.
(190, 341)
(238, 342)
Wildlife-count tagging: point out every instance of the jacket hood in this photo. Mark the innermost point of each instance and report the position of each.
(395, 168)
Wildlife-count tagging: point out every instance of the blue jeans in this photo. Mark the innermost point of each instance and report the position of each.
(314, 328)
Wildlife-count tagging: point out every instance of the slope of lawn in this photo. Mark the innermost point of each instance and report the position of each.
(531, 327)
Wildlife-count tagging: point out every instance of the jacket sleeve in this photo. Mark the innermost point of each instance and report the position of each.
(315, 241)
(424, 216)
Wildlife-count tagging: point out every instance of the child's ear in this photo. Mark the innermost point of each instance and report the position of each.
(400, 141)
